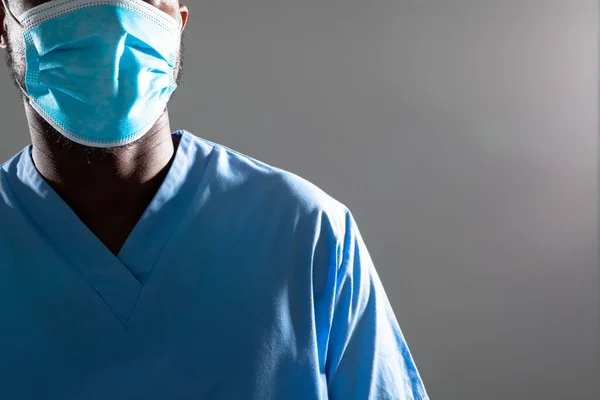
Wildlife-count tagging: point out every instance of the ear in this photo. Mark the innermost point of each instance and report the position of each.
(185, 13)
(3, 30)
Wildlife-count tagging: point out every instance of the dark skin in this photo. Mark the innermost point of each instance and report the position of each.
(108, 189)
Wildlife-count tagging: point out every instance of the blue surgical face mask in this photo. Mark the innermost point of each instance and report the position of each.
(99, 71)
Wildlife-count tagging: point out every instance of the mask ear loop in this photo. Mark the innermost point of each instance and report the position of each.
(179, 25)
(8, 12)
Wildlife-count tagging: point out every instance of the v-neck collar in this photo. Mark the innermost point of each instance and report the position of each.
(117, 279)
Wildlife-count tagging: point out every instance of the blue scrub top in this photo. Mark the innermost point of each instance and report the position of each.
(240, 281)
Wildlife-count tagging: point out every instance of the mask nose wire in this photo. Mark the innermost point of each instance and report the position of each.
(8, 12)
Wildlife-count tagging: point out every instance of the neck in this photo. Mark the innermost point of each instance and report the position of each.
(65, 164)
(108, 189)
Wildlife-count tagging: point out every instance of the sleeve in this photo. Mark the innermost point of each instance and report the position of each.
(367, 356)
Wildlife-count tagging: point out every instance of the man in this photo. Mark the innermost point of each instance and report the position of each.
(137, 263)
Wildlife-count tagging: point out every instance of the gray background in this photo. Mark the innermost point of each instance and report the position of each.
(462, 134)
